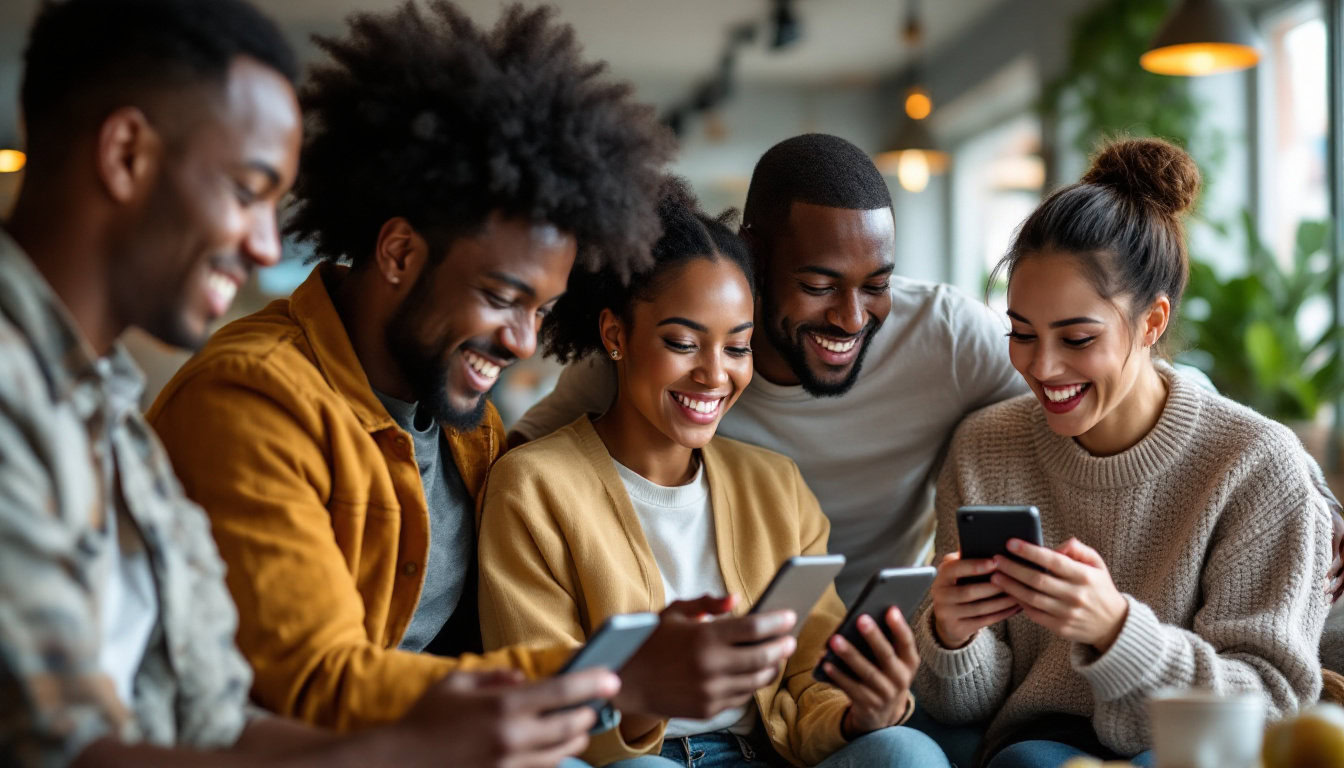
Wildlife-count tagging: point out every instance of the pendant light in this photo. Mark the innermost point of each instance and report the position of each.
(1202, 37)
(12, 160)
(913, 155)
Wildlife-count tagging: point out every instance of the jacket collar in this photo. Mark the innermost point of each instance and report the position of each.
(315, 314)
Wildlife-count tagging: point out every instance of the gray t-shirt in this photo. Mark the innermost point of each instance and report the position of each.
(452, 529)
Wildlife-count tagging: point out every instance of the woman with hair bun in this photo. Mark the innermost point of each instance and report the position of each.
(1185, 542)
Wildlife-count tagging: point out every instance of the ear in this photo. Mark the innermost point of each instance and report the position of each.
(400, 252)
(129, 155)
(612, 329)
(1154, 322)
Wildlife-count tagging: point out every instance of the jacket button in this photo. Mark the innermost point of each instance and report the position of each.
(410, 568)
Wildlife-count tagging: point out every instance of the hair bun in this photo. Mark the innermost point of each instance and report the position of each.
(1149, 171)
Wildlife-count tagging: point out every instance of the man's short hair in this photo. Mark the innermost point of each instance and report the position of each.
(814, 168)
(86, 58)
(426, 116)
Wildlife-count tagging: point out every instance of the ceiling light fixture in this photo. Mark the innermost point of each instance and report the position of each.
(12, 160)
(1202, 37)
(788, 29)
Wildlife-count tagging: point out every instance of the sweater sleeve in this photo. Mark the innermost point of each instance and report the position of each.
(528, 588)
(1260, 622)
(968, 684)
(811, 711)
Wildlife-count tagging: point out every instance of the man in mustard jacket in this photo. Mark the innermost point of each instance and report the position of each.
(337, 439)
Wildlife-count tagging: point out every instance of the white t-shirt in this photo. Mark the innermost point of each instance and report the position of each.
(129, 604)
(679, 526)
(870, 455)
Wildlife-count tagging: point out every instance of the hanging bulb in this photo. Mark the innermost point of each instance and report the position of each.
(918, 104)
(912, 170)
(11, 160)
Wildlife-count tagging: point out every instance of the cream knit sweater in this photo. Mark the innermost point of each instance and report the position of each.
(1210, 527)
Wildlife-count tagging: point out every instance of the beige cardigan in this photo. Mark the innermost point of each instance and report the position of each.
(561, 549)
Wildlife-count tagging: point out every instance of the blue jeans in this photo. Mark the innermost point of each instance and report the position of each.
(1050, 754)
(894, 747)
(958, 742)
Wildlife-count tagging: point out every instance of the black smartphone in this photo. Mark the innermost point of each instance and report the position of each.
(612, 645)
(902, 587)
(798, 585)
(984, 531)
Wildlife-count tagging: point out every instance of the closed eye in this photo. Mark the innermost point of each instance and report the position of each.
(678, 346)
(1021, 337)
(738, 351)
(1078, 343)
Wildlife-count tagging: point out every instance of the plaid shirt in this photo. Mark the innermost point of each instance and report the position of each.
(73, 449)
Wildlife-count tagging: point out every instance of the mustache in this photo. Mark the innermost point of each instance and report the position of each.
(493, 351)
(835, 332)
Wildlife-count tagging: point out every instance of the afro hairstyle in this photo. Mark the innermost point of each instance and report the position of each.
(428, 117)
(570, 332)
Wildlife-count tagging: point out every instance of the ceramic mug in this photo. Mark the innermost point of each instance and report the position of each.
(1202, 729)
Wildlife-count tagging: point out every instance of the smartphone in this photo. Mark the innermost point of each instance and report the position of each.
(902, 587)
(984, 531)
(798, 585)
(612, 645)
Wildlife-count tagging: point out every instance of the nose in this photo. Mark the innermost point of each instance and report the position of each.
(262, 243)
(710, 372)
(519, 337)
(1044, 362)
(847, 313)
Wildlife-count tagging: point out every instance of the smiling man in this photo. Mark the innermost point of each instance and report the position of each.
(337, 439)
(861, 375)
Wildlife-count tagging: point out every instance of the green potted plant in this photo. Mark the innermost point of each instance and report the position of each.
(1245, 331)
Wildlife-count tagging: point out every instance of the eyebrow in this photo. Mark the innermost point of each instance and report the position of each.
(272, 175)
(697, 326)
(1057, 323)
(885, 269)
(513, 281)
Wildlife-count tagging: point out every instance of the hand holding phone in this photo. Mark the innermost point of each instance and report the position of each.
(612, 645)
(798, 585)
(903, 588)
(983, 532)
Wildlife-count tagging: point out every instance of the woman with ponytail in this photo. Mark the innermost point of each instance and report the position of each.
(1185, 543)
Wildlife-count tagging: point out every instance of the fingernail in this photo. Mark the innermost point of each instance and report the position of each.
(838, 643)
(866, 622)
(1014, 545)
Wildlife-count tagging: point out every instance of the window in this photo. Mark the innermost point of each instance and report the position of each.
(998, 178)
(1294, 179)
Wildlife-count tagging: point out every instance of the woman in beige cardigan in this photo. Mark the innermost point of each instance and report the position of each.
(642, 507)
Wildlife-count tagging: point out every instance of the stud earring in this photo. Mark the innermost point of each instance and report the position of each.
(615, 354)
(395, 280)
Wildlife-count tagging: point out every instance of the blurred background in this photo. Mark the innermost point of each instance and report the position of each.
(975, 109)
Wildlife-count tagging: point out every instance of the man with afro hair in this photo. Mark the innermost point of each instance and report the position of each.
(451, 177)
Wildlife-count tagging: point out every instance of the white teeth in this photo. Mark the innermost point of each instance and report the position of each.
(699, 406)
(480, 365)
(1060, 394)
(222, 286)
(835, 346)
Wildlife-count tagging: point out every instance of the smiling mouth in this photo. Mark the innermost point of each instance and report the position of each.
(1063, 399)
(699, 409)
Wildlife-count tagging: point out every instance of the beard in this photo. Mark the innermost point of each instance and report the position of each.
(792, 349)
(425, 367)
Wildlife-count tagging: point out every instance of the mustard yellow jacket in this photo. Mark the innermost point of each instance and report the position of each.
(561, 549)
(317, 506)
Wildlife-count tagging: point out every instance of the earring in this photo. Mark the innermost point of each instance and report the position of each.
(395, 280)
(615, 354)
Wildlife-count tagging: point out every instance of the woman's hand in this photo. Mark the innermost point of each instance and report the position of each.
(961, 611)
(1076, 599)
(879, 694)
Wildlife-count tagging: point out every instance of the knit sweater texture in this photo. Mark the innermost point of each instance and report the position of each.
(1211, 529)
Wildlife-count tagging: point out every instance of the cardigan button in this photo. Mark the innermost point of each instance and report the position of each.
(410, 568)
